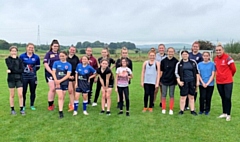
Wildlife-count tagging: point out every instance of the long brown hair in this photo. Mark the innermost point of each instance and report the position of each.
(54, 42)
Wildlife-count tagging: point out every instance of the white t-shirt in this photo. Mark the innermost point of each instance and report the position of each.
(123, 73)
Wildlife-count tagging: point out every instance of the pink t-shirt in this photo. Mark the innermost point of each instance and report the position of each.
(123, 73)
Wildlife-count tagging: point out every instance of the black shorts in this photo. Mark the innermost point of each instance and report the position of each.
(15, 84)
(82, 90)
(48, 77)
(63, 87)
(188, 89)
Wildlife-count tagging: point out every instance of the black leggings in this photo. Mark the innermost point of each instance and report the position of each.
(90, 90)
(225, 91)
(98, 89)
(33, 85)
(149, 91)
(205, 98)
(125, 91)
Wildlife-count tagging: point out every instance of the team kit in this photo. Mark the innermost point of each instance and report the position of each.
(194, 74)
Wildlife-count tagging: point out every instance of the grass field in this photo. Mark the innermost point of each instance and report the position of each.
(43, 126)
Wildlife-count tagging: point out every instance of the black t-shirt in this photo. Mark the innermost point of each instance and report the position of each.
(104, 74)
(74, 62)
(129, 65)
(110, 61)
(168, 69)
(188, 72)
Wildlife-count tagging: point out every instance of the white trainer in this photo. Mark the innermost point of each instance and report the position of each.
(171, 112)
(75, 113)
(163, 111)
(94, 104)
(228, 118)
(222, 116)
(85, 113)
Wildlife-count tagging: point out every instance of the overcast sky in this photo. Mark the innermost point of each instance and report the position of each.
(138, 21)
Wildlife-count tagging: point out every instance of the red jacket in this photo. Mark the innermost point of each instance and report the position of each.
(225, 69)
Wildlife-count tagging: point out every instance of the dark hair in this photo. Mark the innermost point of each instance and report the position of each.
(85, 56)
(13, 47)
(184, 51)
(123, 58)
(72, 46)
(152, 50)
(54, 42)
(103, 60)
(64, 52)
(106, 48)
(196, 42)
(171, 48)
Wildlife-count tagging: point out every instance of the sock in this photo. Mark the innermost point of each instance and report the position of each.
(85, 105)
(50, 103)
(171, 103)
(76, 105)
(12, 108)
(21, 108)
(164, 103)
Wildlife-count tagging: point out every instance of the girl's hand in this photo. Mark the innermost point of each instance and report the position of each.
(142, 84)
(116, 89)
(76, 86)
(180, 83)
(71, 77)
(156, 85)
(8, 71)
(95, 79)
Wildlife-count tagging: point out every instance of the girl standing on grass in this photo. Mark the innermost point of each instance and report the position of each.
(186, 72)
(124, 74)
(31, 63)
(107, 80)
(168, 79)
(124, 54)
(73, 60)
(61, 73)
(51, 56)
(15, 70)
(207, 73)
(225, 70)
(150, 79)
(105, 56)
(82, 85)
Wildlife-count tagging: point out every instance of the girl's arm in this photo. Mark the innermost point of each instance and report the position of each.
(65, 77)
(211, 78)
(116, 79)
(101, 81)
(107, 79)
(143, 72)
(37, 64)
(76, 80)
(93, 76)
(54, 74)
(47, 67)
(158, 74)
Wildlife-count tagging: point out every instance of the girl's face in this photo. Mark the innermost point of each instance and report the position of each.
(124, 53)
(104, 64)
(206, 57)
(195, 48)
(84, 60)
(62, 57)
(72, 50)
(55, 47)
(13, 52)
(185, 56)
(219, 50)
(151, 56)
(124, 62)
(30, 49)
(170, 52)
(161, 49)
(88, 51)
(104, 53)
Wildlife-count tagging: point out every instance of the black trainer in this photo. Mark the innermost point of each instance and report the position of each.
(180, 112)
(121, 112)
(108, 113)
(102, 112)
(193, 113)
(61, 115)
(160, 105)
(127, 114)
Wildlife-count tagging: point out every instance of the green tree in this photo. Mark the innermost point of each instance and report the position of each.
(79, 45)
(232, 47)
(4, 45)
(206, 45)
(86, 44)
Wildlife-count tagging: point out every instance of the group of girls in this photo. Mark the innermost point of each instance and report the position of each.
(66, 72)
(192, 71)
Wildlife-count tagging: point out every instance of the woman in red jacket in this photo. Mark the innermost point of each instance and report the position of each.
(225, 70)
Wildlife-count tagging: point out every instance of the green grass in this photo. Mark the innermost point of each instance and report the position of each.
(43, 126)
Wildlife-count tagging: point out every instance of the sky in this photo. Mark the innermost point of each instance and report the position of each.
(137, 21)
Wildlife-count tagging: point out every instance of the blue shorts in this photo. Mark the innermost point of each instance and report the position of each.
(63, 87)
(82, 90)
